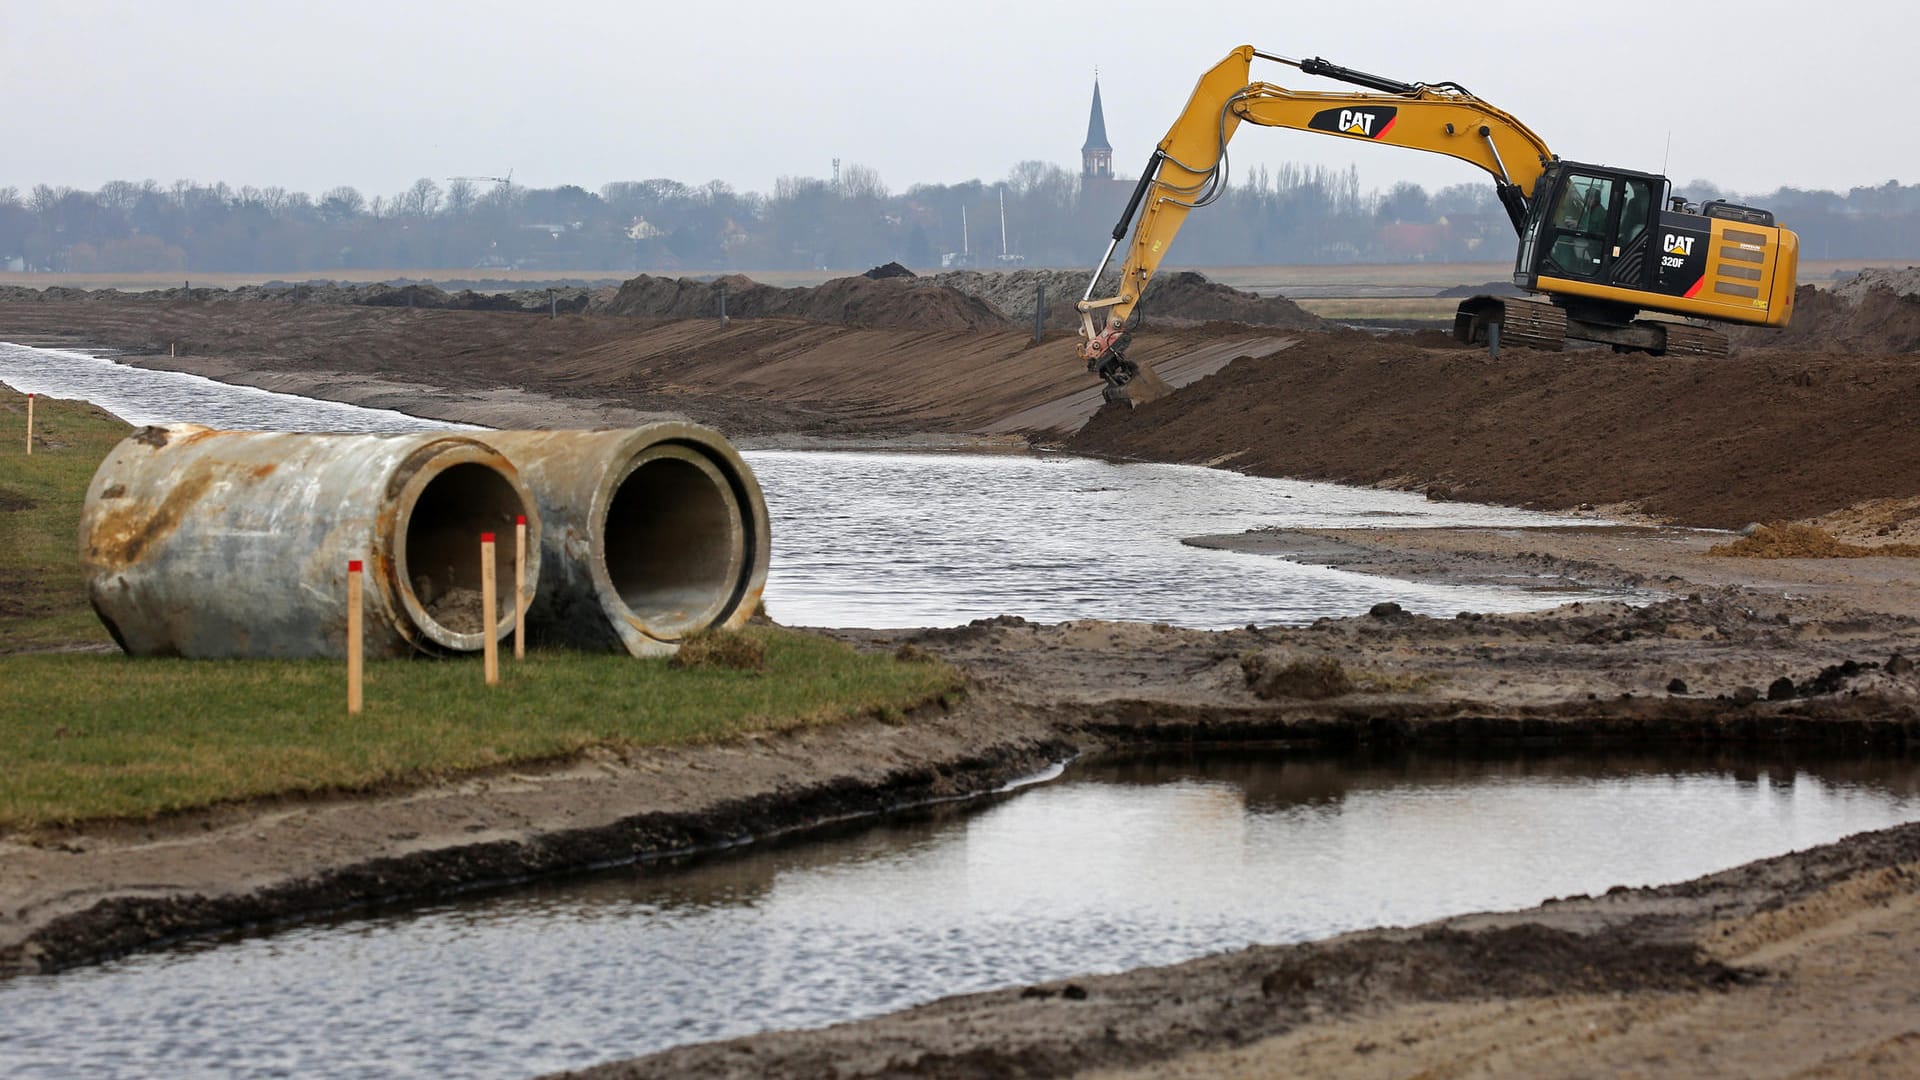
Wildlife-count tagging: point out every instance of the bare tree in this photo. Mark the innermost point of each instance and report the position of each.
(342, 204)
(862, 182)
(119, 195)
(420, 200)
(460, 197)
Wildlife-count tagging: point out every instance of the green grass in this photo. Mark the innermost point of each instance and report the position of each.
(87, 737)
(43, 599)
(90, 736)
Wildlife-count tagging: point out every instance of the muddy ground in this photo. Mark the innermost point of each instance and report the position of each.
(1796, 966)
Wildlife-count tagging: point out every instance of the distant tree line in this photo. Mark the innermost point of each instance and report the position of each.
(1293, 214)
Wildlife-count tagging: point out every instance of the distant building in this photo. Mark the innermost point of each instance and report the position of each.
(1096, 157)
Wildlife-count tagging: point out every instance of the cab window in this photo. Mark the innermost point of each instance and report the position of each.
(1579, 221)
(1635, 199)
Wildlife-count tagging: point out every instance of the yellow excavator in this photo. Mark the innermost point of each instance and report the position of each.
(1599, 244)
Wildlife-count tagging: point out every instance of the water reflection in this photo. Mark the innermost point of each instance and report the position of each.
(1115, 865)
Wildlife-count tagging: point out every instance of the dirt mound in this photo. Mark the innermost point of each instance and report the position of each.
(1794, 541)
(1012, 293)
(1187, 295)
(1180, 298)
(895, 302)
(1491, 288)
(1877, 311)
(1877, 521)
(892, 269)
(1904, 282)
(886, 301)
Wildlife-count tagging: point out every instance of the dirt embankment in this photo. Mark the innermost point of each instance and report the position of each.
(907, 369)
(423, 295)
(1715, 442)
(889, 301)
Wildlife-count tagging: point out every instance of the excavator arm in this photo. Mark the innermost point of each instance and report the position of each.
(1189, 167)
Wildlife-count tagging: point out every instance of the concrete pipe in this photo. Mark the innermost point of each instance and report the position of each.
(654, 533)
(207, 543)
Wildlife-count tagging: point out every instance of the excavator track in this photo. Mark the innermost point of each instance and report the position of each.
(1528, 325)
(1524, 324)
(1693, 341)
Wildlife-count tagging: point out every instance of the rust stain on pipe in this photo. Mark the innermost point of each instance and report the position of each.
(125, 531)
(198, 542)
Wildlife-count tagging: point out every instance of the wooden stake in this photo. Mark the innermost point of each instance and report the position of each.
(489, 619)
(29, 425)
(354, 646)
(520, 587)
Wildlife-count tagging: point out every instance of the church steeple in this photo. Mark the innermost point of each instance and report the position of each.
(1096, 157)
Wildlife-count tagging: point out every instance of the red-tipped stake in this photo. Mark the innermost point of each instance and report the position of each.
(29, 425)
(489, 619)
(520, 587)
(354, 648)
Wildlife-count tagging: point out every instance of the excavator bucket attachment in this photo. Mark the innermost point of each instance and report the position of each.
(1131, 383)
(1146, 386)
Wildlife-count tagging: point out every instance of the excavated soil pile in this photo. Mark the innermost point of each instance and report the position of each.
(1172, 298)
(1709, 442)
(887, 301)
(1877, 311)
(1491, 288)
(1795, 541)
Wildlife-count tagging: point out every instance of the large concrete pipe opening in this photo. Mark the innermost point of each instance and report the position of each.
(440, 555)
(655, 533)
(673, 542)
(207, 543)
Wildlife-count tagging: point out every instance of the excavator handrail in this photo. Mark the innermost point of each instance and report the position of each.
(1188, 167)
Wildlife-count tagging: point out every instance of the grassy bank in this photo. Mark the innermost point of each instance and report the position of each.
(90, 735)
(43, 600)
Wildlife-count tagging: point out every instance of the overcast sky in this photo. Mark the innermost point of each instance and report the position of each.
(1754, 95)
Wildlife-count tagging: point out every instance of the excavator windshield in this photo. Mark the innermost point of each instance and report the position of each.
(1579, 222)
(1592, 222)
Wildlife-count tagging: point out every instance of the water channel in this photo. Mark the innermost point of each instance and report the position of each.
(1110, 866)
(897, 539)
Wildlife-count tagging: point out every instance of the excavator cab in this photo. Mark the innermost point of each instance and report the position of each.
(1592, 227)
(1604, 244)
